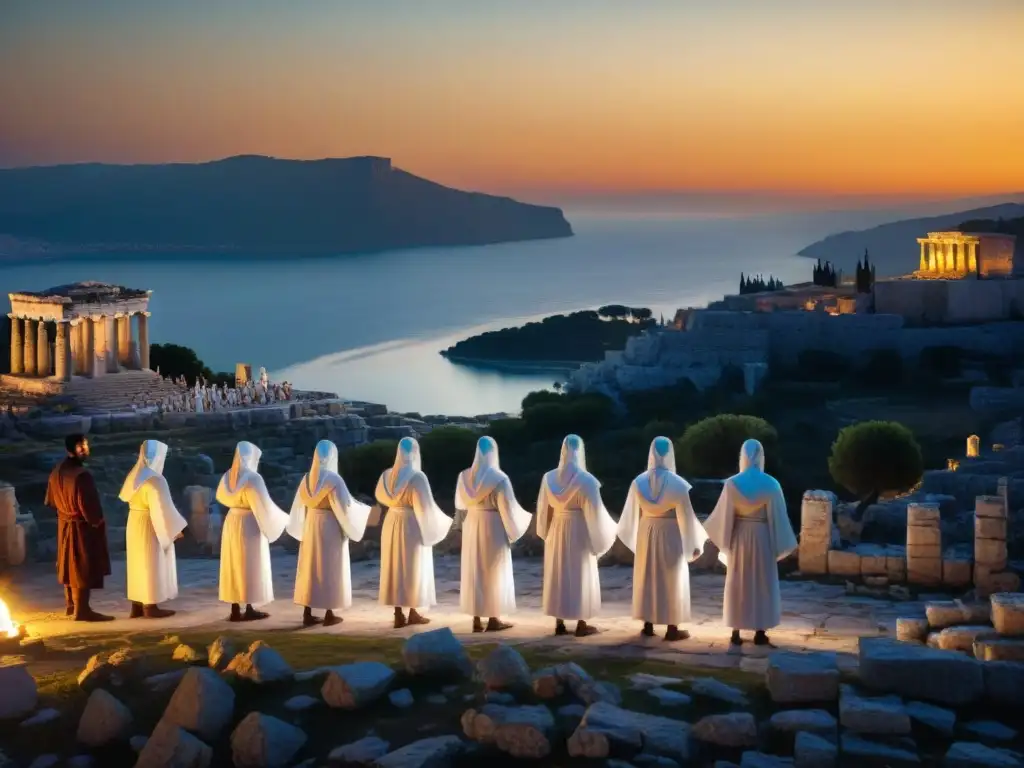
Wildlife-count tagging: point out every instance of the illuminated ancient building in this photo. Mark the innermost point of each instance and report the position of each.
(947, 255)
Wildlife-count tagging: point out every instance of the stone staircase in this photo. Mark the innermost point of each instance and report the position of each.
(119, 391)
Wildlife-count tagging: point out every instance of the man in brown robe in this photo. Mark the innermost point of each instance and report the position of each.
(82, 555)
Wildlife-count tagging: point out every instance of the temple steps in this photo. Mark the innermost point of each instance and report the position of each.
(118, 391)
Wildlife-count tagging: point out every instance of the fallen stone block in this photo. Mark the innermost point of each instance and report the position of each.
(202, 703)
(425, 753)
(170, 746)
(437, 652)
(262, 741)
(353, 686)
(734, 730)
(812, 751)
(963, 638)
(911, 630)
(260, 664)
(504, 669)
(964, 754)
(1004, 649)
(1008, 613)
(990, 730)
(937, 718)
(104, 720)
(1004, 683)
(918, 672)
(363, 752)
(817, 721)
(802, 677)
(20, 693)
(884, 715)
(864, 753)
(942, 614)
(523, 732)
(605, 725)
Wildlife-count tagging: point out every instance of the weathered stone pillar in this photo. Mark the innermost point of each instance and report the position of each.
(924, 544)
(113, 353)
(62, 352)
(42, 350)
(17, 346)
(89, 347)
(76, 347)
(124, 335)
(99, 342)
(990, 556)
(815, 532)
(932, 258)
(144, 340)
(972, 258)
(924, 258)
(30, 348)
(973, 446)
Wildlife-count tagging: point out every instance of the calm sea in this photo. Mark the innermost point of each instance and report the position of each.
(370, 326)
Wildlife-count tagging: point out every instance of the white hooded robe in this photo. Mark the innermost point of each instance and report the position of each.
(253, 521)
(577, 530)
(659, 525)
(325, 517)
(493, 522)
(153, 525)
(750, 527)
(413, 525)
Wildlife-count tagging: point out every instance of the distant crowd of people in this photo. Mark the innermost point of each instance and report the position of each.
(203, 397)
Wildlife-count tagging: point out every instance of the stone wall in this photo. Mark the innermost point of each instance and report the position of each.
(950, 301)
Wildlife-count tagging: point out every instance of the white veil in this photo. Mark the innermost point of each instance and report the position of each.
(152, 455)
(569, 479)
(323, 482)
(242, 484)
(325, 459)
(407, 464)
(484, 478)
(485, 474)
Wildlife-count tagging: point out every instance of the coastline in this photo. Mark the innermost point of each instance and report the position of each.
(513, 366)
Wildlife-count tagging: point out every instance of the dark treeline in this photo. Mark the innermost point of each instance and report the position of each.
(997, 226)
(759, 284)
(865, 274)
(826, 275)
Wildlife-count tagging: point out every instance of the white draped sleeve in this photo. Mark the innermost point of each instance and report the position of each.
(297, 516)
(600, 525)
(719, 524)
(515, 519)
(270, 517)
(384, 498)
(434, 524)
(543, 509)
(352, 515)
(783, 539)
(629, 521)
(692, 532)
(167, 521)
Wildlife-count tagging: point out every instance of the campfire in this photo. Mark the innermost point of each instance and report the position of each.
(8, 627)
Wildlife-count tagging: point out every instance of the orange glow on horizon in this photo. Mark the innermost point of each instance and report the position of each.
(861, 98)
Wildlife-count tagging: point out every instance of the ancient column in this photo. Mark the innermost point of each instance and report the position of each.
(88, 347)
(124, 335)
(30, 348)
(924, 544)
(815, 532)
(17, 348)
(961, 257)
(62, 352)
(972, 258)
(99, 341)
(113, 330)
(990, 555)
(924, 258)
(932, 257)
(76, 347)
(42, 351)
(144, 340)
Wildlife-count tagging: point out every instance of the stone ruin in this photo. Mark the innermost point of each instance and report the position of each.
(922, 560)
(14, 528)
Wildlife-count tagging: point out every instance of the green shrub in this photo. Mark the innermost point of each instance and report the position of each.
(711, 447)
(446, 451)
(875, 457)
(362, 466)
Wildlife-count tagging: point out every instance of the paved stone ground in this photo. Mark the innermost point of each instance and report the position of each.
(815, 616)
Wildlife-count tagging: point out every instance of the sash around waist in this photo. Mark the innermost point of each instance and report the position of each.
(481, 509)
(240, 510)
(668, 514)
(566, 512)
(758, 517)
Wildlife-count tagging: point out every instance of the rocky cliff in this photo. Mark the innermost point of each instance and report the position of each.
(251, 203)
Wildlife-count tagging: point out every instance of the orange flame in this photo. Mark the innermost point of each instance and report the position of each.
(8, 627)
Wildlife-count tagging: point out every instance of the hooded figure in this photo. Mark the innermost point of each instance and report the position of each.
(494, 521)
(659, 525)
(252, 522)
(577, 530)
(153, 526)
(750, 527)
(414, 524)
(325, 518)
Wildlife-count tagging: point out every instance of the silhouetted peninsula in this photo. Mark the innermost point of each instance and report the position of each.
(254, 203)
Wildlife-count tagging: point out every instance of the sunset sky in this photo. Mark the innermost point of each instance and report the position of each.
(555, 98)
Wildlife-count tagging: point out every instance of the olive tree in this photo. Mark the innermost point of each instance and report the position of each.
(711, 447)
(875, 457)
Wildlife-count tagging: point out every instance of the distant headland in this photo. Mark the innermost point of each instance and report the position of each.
(253, 204)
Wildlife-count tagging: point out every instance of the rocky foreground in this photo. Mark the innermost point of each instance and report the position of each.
(910, 705)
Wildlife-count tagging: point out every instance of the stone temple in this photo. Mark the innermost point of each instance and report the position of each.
(89, 340)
